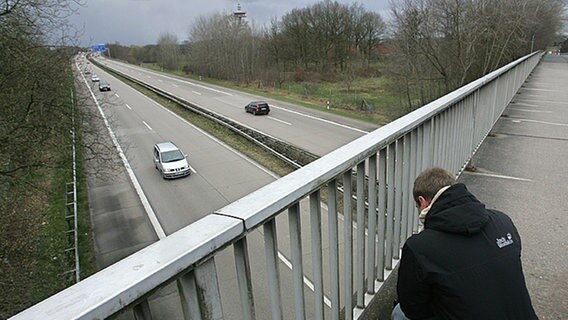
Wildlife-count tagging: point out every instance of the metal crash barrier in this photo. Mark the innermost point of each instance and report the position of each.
(330, 267)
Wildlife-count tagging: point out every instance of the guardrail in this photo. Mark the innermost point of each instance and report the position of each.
(446, 133)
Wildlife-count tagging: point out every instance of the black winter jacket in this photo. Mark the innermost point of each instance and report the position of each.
(465, 264)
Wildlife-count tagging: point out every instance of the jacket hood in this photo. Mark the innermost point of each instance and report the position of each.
(457, 211)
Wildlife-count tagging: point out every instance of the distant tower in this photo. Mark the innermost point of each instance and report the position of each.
(239, 14)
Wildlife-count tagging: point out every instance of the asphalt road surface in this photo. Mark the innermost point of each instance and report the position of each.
(317, 132)
(221, 175)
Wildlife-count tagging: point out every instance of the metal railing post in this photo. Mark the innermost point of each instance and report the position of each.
(360, 254)
(348, 246)
(294, 221)
(317, 268)
(372, 226)
(333, 248)
(242, 265)
(271, 249)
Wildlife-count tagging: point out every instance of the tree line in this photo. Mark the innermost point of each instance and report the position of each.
(34, 86)
(36, 91)
(443, 44)
(429, 47)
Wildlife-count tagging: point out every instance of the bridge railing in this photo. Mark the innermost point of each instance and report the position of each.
(334, 267)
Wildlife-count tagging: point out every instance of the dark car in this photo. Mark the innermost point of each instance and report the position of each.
(257, 107)
(104, 86)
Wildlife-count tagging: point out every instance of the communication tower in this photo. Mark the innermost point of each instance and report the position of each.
(239, 14)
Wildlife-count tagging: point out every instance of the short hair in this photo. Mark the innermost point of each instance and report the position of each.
(430, 181)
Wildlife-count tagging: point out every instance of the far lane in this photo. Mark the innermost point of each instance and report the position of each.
(315, 131)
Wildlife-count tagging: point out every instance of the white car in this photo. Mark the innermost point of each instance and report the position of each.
(95, 78)
(170, 160)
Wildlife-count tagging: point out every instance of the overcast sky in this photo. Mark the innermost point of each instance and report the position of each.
(141, 22)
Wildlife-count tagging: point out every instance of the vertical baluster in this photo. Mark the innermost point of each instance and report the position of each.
(436, 137)
(208, 289)
(390, 205)
(426, 144)
(199, 293)
(360, 273)
(413, 173)
(397, 199)
(142, 311)
(315, 222)
(333, 248)
(406, 192)
(381, 223)
(445, 140)
(372, 227)
(294, 220)
(271, 249)
(348, 246)
(242, 265)
(188, 295)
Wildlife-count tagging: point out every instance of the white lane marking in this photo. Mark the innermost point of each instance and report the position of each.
(497, 176)
(545, 101)
(116, 94)
(526, 110)
(538, 89)
(526, 104)
(147, 125)
(307, 281)
(128, 106)
(543, 122)
(320, 119)
(192, 170)
(516, 121)
(197, 93)
(281, 121)
(145, 203)
(175, 85)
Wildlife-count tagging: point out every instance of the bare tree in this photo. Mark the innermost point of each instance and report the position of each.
(225, 47)
(328, 34)
(443, 44)
(35, 123)
(168, 51)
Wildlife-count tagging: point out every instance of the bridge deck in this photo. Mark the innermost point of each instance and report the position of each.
(521, 170)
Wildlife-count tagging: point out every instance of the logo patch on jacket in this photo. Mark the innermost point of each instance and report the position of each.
(502, 242)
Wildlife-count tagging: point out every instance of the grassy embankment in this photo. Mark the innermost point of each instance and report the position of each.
(33, 229)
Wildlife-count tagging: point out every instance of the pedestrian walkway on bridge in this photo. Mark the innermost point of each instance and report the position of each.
(521, 169)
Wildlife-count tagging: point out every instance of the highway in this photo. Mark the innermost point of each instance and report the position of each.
(221, 175)
(311, 130)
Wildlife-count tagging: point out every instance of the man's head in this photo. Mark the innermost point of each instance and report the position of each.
(428, 183)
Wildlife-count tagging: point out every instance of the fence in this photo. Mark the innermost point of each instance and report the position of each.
(71, 205)
(357, 259)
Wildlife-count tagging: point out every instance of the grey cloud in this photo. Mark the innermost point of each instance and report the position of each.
(141, 22)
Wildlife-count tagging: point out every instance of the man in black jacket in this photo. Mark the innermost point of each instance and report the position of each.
(466, 263)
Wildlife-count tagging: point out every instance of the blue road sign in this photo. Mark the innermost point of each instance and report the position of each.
(98, 48)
